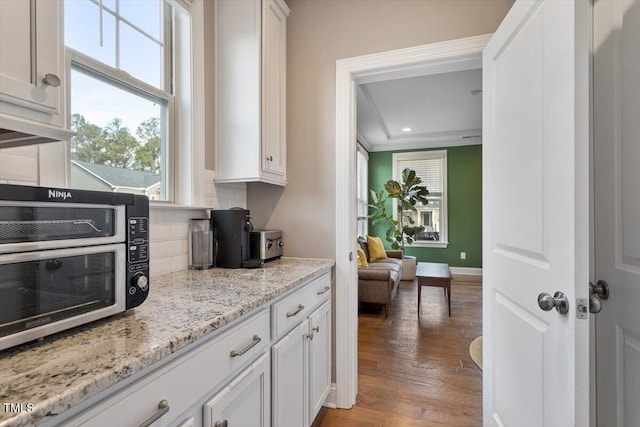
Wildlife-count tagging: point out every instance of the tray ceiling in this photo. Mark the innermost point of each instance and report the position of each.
(441, 110)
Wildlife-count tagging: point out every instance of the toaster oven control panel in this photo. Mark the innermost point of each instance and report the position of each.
(137, 245)
(138, 239)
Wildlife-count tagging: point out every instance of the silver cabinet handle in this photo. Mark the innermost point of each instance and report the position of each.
(51, 80)
(163, 408)
(558, 300)
(324, 290)
(293, 313)
(256, 340)
(222, 423)
(309, 336)
(270, 158)
(317, 329)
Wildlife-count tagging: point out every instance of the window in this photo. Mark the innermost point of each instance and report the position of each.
(362, 166)
(431, 167)
(123, 89)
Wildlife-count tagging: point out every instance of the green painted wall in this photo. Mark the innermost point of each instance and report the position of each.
(464, 182)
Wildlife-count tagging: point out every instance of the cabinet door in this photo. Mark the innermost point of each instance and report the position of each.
(319, 358)
(245, 401)
(30, 48)
(274, 64)
(289, 381)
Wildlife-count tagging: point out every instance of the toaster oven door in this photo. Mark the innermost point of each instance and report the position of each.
(49, 291)
(40, 225)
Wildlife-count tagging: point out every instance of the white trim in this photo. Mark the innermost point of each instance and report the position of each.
(427, 244)
(430, 140)
(467, 271)
(420, 60)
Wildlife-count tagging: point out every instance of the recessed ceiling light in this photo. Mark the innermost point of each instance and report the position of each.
(406, 129)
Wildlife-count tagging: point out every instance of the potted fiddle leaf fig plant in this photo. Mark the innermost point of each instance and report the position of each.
(402, 229)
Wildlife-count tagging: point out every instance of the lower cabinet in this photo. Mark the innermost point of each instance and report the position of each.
(245, 401)
(174, 393)
(319, 358)
(301, 377)
(270, 369)
(290, 381)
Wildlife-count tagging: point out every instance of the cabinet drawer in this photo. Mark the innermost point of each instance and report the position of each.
(186, 379)
(291, 310)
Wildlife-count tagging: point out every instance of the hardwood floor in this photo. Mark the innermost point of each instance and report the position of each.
(417, 372)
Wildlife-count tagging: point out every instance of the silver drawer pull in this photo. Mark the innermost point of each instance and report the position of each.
(324, 290)
(298, 310)
(222, 423)
(163, 408)
(317, 329)
(256, 340)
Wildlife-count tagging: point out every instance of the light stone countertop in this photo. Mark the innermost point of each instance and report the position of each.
(63, 370)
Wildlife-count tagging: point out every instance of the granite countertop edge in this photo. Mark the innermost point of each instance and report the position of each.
(80, 390)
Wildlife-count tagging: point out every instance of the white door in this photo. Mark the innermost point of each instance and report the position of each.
(616, 142)
(535, 215)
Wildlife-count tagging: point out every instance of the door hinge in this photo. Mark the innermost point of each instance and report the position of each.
(582, 308)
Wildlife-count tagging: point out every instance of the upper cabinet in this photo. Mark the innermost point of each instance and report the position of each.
(250, 91)
(32, 78)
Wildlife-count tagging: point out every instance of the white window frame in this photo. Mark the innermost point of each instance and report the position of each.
(444, 219)
(185, 169)
(361, 151)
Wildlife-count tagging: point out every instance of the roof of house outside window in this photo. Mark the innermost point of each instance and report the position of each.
(120, 177)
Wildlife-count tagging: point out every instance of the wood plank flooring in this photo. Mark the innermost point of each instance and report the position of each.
(417, 372)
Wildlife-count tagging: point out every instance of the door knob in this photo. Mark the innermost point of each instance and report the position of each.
(558, 301)
(597, 293)
(601, 289)
(595, 304)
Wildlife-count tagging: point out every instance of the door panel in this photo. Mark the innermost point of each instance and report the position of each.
(617, 208)
(535, 214)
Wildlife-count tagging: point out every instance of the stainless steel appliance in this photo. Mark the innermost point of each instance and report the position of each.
(68, 257)
(266, 245)
(231, 234)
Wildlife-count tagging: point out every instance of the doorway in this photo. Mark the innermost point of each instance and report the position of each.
(454, 55)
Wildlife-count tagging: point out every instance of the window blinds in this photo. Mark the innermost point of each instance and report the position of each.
(429, 170)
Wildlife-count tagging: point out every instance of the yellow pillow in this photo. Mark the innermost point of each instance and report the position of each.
(362, 259)
(376, 250)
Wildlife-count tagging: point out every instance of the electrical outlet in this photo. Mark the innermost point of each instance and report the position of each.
(463, 255)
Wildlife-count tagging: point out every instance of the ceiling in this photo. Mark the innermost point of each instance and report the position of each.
(442, 110)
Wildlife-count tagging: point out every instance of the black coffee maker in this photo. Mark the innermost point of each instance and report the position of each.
(231, 232)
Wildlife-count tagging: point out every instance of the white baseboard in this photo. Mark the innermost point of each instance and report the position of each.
(330, 401)
(468, 271)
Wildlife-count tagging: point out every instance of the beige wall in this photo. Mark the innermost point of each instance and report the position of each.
(319, 33)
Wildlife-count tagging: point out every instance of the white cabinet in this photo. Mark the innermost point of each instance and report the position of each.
(301, 360)
(245, 401)
(32, 77)
(250, 90)
(186, 380)
(319, 358)
(289, 382)
(270, 368)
